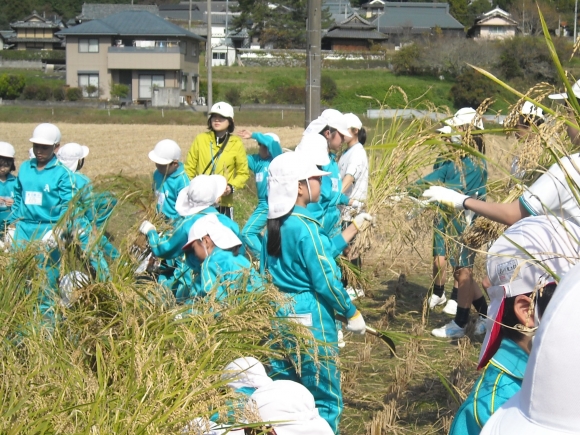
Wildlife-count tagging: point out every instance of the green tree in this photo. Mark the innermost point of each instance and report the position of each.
(407, 60)
(458, 9)
(476, 8)
(11, 86)
(471, 88)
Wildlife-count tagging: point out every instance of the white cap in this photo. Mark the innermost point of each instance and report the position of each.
(520, 260)
(547, 403)
(339, 122)
(293, 404)
(465, 116)
(246, 372)
(165, 152)
(530, 109)
(70, 154)
(222, 108)
(7, 150)
(203, 192)
(274, 136)
(284, 173)
(46, 134)
(564, 95)
(314, 147)
(352, 121)
(445, 129)
(209, 225)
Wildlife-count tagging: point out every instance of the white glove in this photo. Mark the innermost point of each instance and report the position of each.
(357, 324)
(446, 196)
(49, 240)
(357, 204)
(362, 221)
(146, 226)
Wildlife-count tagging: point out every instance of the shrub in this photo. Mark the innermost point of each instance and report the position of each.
(74, 94)
(471, 88)
(234, 96)
(328, 90)
(11, 86)
(59, 94)
(119, 91)
(37, 92)
(214, 91)
(407, 60)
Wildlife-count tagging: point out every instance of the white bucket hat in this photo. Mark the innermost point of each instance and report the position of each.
(314, 147)
(209, 225)
(530, 109)
(547, 403)
(519, 261)
(353, 121)
(564, 95)
(284, 173)
(165, 152)
(446, 129)
(316, 126)
(46, 134)
(70, 154)
(246, 372)
(203, 192)
(293, 404)
(274, 136)
(7, 150)
(222, 108)
(340, 124)
(465, 116)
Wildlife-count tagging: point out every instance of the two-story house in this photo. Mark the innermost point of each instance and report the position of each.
(36, 32)
(495, 24)
(135, 48)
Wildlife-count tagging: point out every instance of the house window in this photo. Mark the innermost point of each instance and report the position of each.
(184, 82)
(193, 84)
(148, 82)
(88, 45)
(497, 29)
(89, 83)
(194, 49)
(219, 56)
(34, 45)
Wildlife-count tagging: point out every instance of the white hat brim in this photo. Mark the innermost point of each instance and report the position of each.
(509, 419)
(159, 160)
(40, 141)
(563, 96)
(184, 208)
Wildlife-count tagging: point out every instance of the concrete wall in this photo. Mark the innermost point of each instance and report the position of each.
(166, 97)
(24, 64)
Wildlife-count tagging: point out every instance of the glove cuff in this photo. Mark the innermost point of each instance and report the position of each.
(356, 315)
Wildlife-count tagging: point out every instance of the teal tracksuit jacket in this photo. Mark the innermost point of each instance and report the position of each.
(7, 189)
(252, 231)
(470, 179)
(307, 272)
(222, 272)
(501, 378)
(167, 188)
(326, 209)
(169, 247)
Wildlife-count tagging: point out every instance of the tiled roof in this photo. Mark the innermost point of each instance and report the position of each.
(95, 11)
(216, 6)
(416, 15)
(15, 39)
(130, 23)
(355, 34)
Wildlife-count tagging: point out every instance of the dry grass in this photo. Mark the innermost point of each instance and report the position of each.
(124, 148)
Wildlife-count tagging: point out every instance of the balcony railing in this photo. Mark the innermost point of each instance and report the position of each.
(144, 49)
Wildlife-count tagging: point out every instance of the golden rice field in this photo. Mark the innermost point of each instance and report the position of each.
(124, 148)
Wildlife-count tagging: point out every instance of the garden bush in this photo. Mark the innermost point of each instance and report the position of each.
(328, 90)
(215, 90)
(37, 92)
(59, 94)
(11, 86)
(234, 96)
(471, 88)
(74, 94)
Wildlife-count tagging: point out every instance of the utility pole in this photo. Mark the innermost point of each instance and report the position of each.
(575, 19)
(208, 58)
(313, 61)
(189, 15)
(226, 36)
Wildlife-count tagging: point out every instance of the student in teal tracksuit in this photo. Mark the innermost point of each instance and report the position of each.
(7, 183)
(297, 254)
(258, 163)
(195, 201)
(42, 196)
(169, 178)
(223, 270)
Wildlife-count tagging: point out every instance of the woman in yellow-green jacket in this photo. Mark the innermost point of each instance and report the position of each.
(218, 151)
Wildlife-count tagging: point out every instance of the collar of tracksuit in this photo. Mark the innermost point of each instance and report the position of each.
(53, 162)
(510, 358)
(305, 213)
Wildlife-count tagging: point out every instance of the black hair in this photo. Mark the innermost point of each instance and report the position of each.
(479, 142)
(362, 135)
(231, 126)
(8, 161)
(80, 164)
(274, 244)
(510, 319)
(529, 120)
